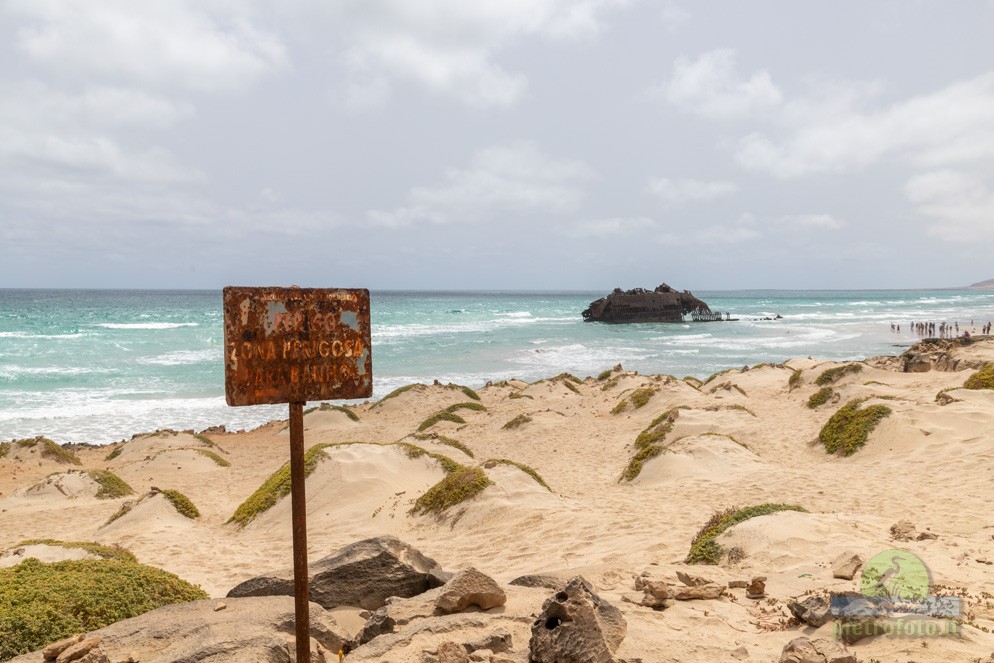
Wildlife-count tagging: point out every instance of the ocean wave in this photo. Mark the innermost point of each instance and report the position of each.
(145, 325)
(184, 357)
(31, 335)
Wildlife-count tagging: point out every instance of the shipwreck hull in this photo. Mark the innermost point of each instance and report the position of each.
(664, 304)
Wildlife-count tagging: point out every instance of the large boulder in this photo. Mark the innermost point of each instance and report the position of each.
(233, 631)
(576, 626)
(362, 574)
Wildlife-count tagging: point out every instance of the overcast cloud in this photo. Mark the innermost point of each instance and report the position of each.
(518, 144)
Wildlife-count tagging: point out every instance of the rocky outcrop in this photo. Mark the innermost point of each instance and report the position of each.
(247, 629)
(576, 626)
(936, 355)
(362, 574)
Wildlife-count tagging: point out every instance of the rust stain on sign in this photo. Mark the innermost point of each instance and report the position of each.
(291, 345)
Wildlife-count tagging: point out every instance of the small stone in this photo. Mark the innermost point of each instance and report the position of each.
(800, 650)
(833, 651)
(813, 610)
(902, 530)
(470, 587)
(220, 606)
(78, 650)
(52, 651)
(738, 584)
(927, 536)
(691, 580)
(846, 565)
(657, 594)
(756, 589)
(702, 592)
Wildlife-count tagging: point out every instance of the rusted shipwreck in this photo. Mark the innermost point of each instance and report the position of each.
(664, 304)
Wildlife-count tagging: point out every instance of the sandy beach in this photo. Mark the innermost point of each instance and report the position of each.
(746, 437)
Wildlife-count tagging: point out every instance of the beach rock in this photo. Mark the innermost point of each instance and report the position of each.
(819, 650)
(576, 626)
(249, 629)
(813, 610)
(51, 652)
(691, 580)
(85, 648)
(902, 530)
(656, 594)
(699, 592)
(846, 565)
(497, 642)
(756, 589)
(448, 652)
(541, 580)
(833, 651)
(738, 584)
(362, 574)
(800, 650)
(470, 587)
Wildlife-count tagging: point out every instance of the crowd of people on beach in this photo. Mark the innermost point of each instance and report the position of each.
(945, 329)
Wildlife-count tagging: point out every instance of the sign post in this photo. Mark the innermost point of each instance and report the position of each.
(291, 345)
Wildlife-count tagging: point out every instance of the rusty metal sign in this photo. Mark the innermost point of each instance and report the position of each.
(291, 345)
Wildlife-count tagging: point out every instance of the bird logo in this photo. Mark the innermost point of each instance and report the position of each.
(896, 576)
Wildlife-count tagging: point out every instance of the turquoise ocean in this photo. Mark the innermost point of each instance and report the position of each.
(98, 366)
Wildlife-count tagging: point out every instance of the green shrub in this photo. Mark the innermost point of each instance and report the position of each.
(106, 552)
(182, 503)
(414, 451)
(704, 549)
(612, 383)
(44, 603)
(49, 449)
(397, 392)
(448, 441)
(604, 375)
(466, 390)
(693, 382)
(339, 408)
(657, 431)
(634, 467)
(115, 452)
(521, 466)
(456, 487)
(740, 408)
(206, 441)
(849, 428)
(572, 387)
(641, 397)
(517, 422)
(444, 415)
(820, 397)
(982, 379)
(833, 375)
(4, 449)
(214, 457)
(516, 394)
(274, 488)
(475, 407)
(111, 485)
(794, 380)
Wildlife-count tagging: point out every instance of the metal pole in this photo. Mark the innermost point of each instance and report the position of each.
(301, 592)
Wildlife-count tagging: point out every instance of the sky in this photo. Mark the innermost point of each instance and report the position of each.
(496, 144)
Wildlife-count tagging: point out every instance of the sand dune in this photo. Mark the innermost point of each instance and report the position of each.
(746, 437)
